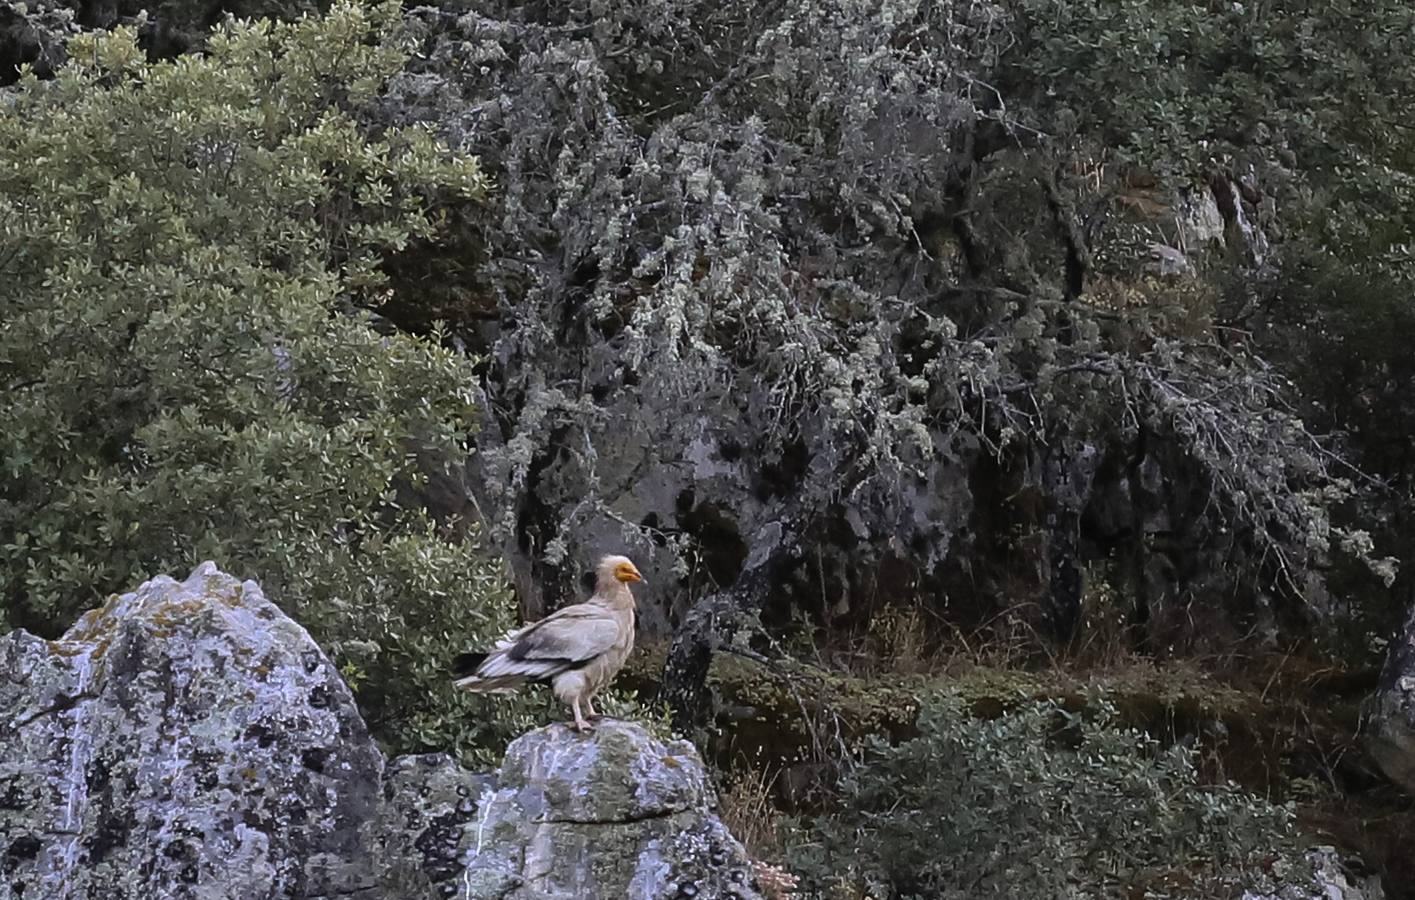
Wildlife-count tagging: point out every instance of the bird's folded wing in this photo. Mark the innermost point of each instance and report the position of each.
(573, 635)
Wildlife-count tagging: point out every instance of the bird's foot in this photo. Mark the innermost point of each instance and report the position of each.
(581, 725)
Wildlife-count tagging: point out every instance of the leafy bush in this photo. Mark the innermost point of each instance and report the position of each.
(1184, 87)
(186, 247)
(1038, 803)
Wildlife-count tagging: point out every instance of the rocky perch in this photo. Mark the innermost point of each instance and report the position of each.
(188, 740)
(613, 814)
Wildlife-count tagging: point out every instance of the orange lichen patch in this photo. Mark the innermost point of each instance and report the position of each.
(166, 616)
(70, 648)
(175, 614)
(233, 597)
(672, 762)
(95, 621)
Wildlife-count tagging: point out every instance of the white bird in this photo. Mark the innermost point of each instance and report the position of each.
(577, 650)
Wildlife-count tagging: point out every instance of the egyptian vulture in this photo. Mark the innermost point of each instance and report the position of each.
(577, 650)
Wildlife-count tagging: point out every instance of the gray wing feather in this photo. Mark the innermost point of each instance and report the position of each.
(575, 633)
(567, 639)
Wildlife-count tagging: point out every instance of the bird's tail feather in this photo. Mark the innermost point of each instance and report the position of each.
(501, 685)
(465, 664)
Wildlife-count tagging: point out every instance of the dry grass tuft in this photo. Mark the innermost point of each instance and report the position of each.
(750, 814)
(747, 808)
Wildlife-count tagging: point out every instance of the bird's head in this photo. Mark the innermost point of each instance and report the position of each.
(617, 569)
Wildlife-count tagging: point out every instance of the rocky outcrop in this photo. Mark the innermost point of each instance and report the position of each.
(616, 814)
(1390, 715)
(188, 740)
(1329, 878)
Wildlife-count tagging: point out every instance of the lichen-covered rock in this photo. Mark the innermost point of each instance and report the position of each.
(1390, 716)
(175, 737)
(613, 813)
(1330, 878)
(422, 835)
(188, 740)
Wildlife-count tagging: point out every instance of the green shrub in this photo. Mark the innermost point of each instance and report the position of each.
(186, 248)
(1038, 803)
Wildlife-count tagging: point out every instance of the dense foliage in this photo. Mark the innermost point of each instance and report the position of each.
(812, 305)
(1293, 112)
(1041, 803)
(186, 247)
(811, 285)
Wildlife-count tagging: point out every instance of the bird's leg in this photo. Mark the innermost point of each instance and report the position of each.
(589, 707)
(580, 723)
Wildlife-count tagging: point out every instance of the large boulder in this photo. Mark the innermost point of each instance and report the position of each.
(188, 740)
(616, 813)
(176, 736)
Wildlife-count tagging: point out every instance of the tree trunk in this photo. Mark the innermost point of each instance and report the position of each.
(711, 622)
(1066, 482)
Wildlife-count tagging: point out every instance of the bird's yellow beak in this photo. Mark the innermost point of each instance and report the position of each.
(628, 573)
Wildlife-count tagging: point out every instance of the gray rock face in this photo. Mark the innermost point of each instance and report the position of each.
(612, 814)
(176, 736)
(419, 838)
(188, 740)
(1390, 715)
(1330, 878)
